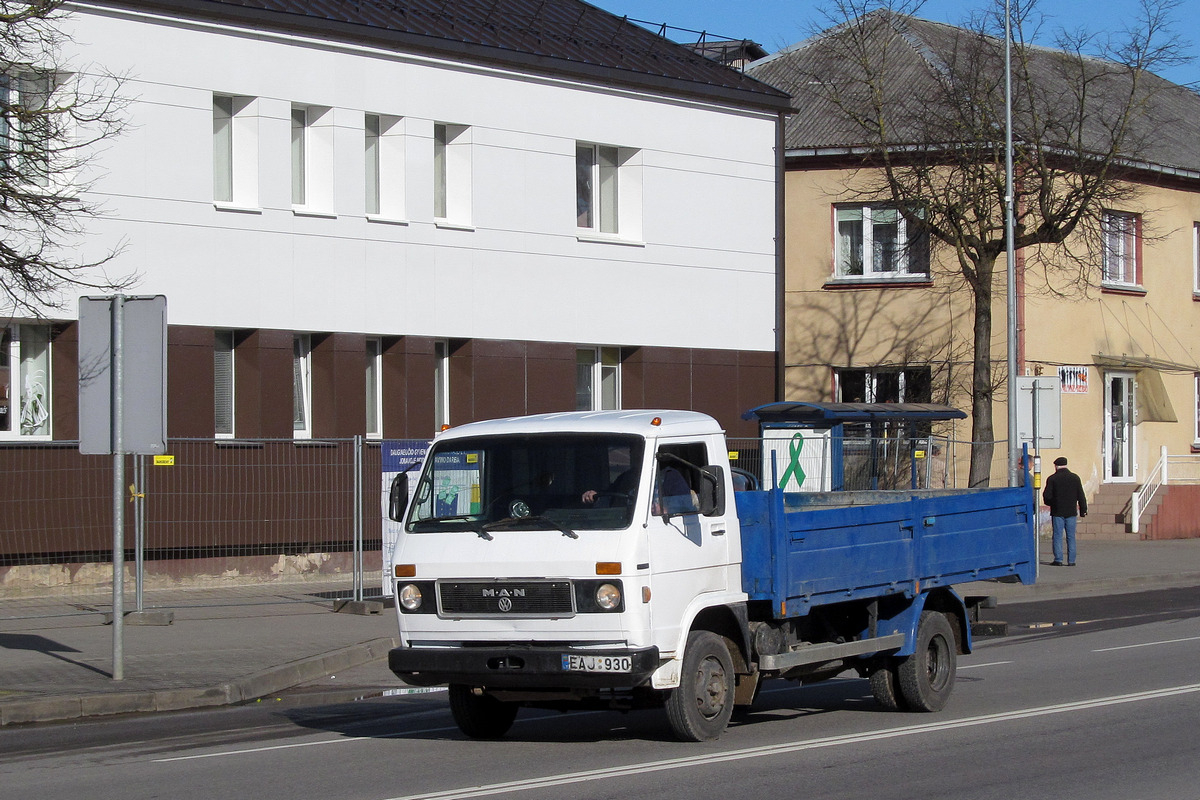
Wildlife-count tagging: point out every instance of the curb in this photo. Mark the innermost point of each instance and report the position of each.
(1018, 593)
(66, 707)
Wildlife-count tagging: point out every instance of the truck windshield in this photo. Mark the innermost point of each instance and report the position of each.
(562, 482)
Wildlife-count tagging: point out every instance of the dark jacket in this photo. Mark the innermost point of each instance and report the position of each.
(1064, 493)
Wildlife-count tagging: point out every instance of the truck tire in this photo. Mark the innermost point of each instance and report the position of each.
(699, 710)
(480, 716)
(885, 686)
(927, 676)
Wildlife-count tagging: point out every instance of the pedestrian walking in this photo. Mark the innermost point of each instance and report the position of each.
(1064, 495)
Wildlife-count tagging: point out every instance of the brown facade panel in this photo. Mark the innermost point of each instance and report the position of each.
(550, 378)
(339, 395)
(190, 403)
(64, 382)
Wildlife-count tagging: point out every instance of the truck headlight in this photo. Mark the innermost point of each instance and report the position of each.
(608, 596)
(410, 597)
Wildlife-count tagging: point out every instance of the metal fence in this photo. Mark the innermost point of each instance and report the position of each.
(225, 521)
(214, 522)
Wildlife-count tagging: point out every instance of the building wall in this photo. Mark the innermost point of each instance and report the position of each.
(1063, 322)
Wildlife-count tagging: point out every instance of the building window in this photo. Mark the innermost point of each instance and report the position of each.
(878, 242)
(384, 166)
(302, 386)
(312, 158)
(25, 126)
(24, 381)
(299, 156)
(441, 385)
(1196, 407)
(1122, 235)
(374, 372)
(223, 383)
(1196, 257)
(596, 195)
(235, 141)
(597, 378)
(883, 385)
(452, 173)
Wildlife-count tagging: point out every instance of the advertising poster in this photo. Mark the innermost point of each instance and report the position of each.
(801, 459)
(399, 456)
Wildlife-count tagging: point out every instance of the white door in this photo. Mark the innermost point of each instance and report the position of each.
(1119, 426)
(689, 553)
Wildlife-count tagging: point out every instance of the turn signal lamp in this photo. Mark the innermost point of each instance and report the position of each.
(608, 567)
(405, 570)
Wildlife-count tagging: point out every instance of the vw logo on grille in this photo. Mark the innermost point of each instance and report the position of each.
(505, 604)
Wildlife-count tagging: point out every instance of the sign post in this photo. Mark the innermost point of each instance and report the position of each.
(110, 329)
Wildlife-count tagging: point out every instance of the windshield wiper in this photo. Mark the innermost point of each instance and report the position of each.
(480, 531)
(514, 520)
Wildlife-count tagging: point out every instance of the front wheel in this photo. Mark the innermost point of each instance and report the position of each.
(699, 710)
(927, 676)
(480, 716)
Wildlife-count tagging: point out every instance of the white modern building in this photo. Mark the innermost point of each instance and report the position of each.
(381, 217)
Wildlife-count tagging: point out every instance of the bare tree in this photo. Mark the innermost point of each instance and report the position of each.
(922, 106)
(53, 117)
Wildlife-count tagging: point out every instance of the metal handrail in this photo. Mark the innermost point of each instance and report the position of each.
(1142, 497)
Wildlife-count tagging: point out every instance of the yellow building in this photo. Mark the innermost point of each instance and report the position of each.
(876, 309)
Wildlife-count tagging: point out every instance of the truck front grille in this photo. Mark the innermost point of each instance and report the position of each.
(505, 598)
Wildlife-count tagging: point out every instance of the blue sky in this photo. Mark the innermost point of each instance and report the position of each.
(775, 24)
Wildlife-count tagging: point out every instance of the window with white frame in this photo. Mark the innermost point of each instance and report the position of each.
(312, 158)
(223, 348)
(441, 385)
(597, 378)
(877, 242)
(235, 157)
(596, 188)
(302, 386)
(24, 381)
(384, 166)
(1196, 407)
(452, 173)
(26, 120)
(1196, 257)
(1122, 232)
(374, 376)
(608, 191)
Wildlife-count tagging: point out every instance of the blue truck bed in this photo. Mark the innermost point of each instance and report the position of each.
(801, 550)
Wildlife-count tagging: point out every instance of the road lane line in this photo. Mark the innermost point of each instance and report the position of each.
(793, 747)
(961, 667)
(1147, 644)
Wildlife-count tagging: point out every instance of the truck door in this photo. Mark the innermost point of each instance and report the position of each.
(689, 552)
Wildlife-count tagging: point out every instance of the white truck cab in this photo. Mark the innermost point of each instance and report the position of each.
(555, 557)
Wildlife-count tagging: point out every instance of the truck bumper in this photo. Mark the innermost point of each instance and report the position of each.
(518, 667)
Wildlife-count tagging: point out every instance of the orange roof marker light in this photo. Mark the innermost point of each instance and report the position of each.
(656, 421)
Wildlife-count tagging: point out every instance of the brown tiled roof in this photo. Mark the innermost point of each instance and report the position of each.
(920, 53)
(548, 36)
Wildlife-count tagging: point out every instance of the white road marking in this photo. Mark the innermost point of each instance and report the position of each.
(1147, 644)
(793, 747)
(961, 667)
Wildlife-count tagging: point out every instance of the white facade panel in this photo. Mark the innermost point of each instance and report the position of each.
(693, 267)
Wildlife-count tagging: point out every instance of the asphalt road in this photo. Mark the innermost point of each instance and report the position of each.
(1093, 698)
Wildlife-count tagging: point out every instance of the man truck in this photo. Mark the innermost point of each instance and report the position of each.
(605, 560)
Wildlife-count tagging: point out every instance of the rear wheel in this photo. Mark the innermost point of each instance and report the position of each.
(699, 710)
(480, 716)
(885, 686)
(927, 676)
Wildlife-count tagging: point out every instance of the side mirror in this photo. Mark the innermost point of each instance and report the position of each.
(712, 491)
(398, 498)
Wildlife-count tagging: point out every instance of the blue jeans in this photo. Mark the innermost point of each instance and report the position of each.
(1064, 525)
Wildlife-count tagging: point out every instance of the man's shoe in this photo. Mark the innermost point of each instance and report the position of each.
(1070, 563)
(1056, 563)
